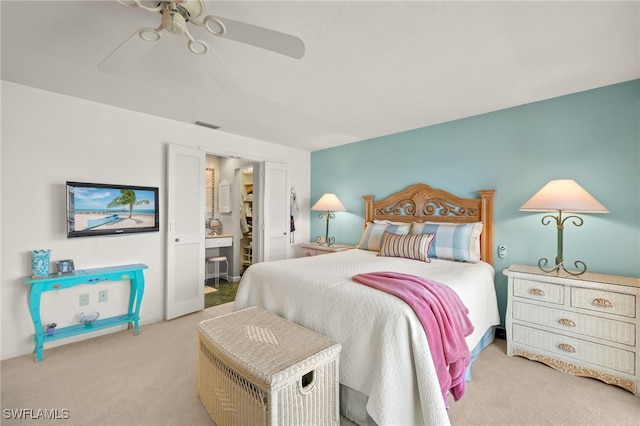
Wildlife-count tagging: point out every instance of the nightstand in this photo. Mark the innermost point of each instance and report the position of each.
(313, 249)
(586, 325)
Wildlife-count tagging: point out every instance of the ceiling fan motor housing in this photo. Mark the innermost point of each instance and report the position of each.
(176, 14)
(192, 8)
(174, 22)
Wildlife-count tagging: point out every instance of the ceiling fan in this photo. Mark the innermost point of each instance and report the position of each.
(176, 17)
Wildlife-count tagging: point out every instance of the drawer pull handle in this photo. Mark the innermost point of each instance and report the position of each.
(567, 322)
(57, 286)
(602, 303)
(536, 291)
(566, 347)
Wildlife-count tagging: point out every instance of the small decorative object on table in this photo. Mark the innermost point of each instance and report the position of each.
(88, 319)
(65, 266)
(51, 329)
(40, 263)
(215, 225)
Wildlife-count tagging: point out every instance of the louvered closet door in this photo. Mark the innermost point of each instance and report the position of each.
(185, 230)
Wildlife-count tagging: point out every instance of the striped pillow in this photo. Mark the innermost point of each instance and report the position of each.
(408, 246)
(453, 241)
(372, 235)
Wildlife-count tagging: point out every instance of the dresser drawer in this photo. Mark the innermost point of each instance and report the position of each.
(612, 330)
(306, 252)
(535, 290)
(214, 242)
(604, 301)
(567, 347)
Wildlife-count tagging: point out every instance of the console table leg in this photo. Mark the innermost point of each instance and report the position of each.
(34, 308)
(138, 282)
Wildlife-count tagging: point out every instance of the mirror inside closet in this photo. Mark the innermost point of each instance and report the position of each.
(230, 215)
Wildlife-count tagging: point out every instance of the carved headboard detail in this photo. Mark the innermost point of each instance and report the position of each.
(422, 203)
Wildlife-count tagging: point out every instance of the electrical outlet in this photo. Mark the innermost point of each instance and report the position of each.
(84, 299)
(502, 251)
(102, 296)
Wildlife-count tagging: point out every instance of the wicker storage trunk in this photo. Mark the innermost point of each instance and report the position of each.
(256, 368)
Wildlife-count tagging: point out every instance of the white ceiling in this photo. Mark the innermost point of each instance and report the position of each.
(371, 68)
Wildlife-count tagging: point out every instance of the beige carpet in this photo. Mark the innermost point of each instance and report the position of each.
(151, 379)
(515, 391)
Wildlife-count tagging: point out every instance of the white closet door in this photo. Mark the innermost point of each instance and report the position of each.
(185, 233)
(276, 214)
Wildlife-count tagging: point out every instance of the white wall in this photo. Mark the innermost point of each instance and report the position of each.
(48, 139)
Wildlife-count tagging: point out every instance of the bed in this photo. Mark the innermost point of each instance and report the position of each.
(387, 376)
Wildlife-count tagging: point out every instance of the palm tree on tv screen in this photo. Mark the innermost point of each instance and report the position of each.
(127, 197)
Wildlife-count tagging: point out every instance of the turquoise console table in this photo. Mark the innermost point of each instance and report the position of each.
(133, 273)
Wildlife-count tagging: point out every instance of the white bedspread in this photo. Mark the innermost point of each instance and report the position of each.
(385, 353)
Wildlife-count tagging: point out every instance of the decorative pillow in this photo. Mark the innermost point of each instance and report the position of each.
(453, 241)
(372, 235)
(408, 246)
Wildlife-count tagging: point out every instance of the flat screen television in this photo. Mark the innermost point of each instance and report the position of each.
(104, 209)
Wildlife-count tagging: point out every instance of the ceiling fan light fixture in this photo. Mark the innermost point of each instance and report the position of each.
(198, 47)
(150, 34)
(214, 26)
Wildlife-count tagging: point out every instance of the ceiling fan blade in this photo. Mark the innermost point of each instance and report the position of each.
(221, 75)
(130, 51)
(263, 38)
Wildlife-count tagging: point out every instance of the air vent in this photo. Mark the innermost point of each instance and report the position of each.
(205, 124)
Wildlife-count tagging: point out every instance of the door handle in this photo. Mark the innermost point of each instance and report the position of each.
(177, 240)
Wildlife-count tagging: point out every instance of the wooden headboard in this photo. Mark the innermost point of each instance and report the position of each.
(422, 203)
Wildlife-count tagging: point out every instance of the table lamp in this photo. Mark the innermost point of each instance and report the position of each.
(329, 204)
(563, 195)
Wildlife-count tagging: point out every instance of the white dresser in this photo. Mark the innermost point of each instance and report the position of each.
(585, 325)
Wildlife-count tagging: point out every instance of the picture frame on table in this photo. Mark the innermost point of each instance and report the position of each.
(65, 266)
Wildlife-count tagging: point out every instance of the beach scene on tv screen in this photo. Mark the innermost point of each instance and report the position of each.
(112, 208)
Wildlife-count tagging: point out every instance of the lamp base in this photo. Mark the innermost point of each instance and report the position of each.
(560, 265)
(325, 241)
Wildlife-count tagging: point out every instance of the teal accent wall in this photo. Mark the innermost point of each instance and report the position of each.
(592, 137)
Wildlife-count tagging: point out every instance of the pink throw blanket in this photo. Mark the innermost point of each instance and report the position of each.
(444, 318)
